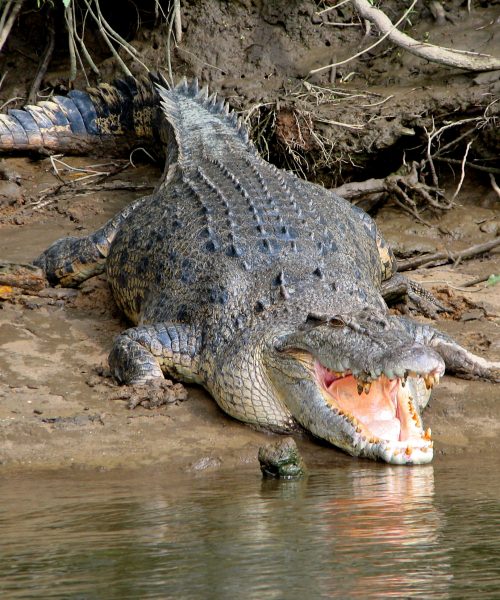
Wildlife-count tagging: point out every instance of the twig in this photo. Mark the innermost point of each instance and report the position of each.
(464, 287)
(494, 185)
(115, 35)
(462, 176)
(454, 142)
(312, 87)
(170, 25)
(434, 176)
(137, 150)
(325, 10)
(455, 161)
(436, 133)
(411, 212)
(10, 101)
(418, 261)
(133, 52)
(377, 103)
(476, 281)
(340, 124)
(47, 195)
(342, 25)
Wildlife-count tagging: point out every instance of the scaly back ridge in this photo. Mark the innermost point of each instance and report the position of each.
(201, 122)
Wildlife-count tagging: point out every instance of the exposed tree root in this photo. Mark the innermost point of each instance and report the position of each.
(404, 187)
(8, 16)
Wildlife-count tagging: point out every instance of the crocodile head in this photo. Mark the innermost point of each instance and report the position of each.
(360, 382)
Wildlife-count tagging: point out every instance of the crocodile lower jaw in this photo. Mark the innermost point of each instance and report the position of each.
(381, 415)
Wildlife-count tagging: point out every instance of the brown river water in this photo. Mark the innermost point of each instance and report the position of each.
(363, 531)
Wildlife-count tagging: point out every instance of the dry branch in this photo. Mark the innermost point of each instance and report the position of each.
(20, 275)
(418, 261)
(386, 34)
(469, 61)
(494, 185)
(404, 187)
(460, 59)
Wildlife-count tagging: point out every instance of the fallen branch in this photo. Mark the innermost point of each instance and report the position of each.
(386, 34)
(418, 261)
(403, 186)
(475, 281)
(20, 275)
(460, 59)
(356, 189)
(470, 61)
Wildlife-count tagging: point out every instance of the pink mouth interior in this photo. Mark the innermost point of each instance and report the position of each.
(386, 412)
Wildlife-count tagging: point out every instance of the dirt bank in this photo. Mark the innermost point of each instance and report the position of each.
(58, 408)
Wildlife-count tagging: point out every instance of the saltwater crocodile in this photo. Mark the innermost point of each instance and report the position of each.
(263, 288)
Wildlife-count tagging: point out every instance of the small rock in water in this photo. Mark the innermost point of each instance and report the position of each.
(281, 460)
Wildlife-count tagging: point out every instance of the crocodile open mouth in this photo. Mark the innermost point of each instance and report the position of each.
(382, 410)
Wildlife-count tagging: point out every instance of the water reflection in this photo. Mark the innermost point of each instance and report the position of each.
(366, 531)
(376, 533)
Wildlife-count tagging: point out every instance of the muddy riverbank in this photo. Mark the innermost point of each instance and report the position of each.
(59, 407)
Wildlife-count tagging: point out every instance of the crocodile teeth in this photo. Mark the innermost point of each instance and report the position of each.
(366, 387)
(427, 434)
(430, 381)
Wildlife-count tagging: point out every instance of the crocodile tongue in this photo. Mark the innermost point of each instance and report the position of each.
(376, 410)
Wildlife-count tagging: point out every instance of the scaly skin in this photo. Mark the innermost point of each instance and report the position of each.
(107, 120)
(265, 289)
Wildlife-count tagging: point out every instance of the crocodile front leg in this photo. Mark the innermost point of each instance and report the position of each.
(71, 260)
(399, 286)
(459, 360)
(141, 354)
(456, 358)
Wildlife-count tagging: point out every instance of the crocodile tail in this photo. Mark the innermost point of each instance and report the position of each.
(200, 121)
(108, 119)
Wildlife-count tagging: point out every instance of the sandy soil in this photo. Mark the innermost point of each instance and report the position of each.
(58, 407)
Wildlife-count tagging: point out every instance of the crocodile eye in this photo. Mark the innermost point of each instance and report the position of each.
(336, 322)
